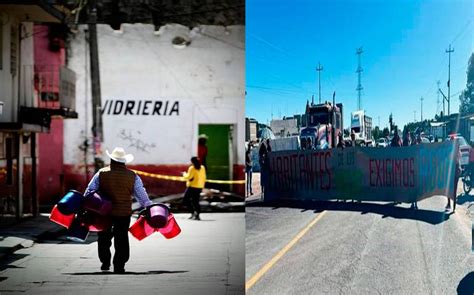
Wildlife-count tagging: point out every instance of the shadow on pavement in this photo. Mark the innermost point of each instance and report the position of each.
(150, 272)
(385, 210)
(466, 285)
(6, 261)
(464, 198)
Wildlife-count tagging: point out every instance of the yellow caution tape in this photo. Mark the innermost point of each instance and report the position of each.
(182, 179)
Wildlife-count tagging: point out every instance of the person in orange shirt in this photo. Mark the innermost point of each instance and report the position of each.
(195, 180)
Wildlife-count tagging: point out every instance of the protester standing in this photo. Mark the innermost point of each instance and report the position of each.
(262, 160)
(195, 180)
(457, 173)
(396, 141)
(407, 139)
(248, 169)
(117, 183)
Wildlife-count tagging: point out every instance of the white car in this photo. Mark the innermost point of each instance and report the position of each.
(464, 149)
(381, 142)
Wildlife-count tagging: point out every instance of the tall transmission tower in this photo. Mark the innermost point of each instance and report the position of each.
(319, 69)
(449, 51)
(421, 100)
(437, 97)
(359, 73)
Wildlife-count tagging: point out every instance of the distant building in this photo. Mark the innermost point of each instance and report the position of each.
(285, 127)
(251, 129)
(35, 91)
(438, 129)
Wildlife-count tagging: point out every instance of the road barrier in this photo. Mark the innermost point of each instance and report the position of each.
(182, 179)
(404, 174)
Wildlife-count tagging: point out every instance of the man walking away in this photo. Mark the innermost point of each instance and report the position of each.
(117, 183)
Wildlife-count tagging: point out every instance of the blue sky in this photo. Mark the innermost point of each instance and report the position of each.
(404, 55)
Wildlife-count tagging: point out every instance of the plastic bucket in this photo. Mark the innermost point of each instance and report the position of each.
(140, 229)
(157, 215)
(60, 218)
(94, 202)
(71, 203)
(172, 229)
(78, 232)
(96, 222)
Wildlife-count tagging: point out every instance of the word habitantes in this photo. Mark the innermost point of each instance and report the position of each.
(392, 172)
(141, 108)
(301, 172)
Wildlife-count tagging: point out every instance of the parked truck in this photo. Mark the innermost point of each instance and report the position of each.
(324, 123)
(361, 125)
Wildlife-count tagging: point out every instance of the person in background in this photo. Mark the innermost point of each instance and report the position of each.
(396, 141)
(457, 172)
(309, 144)
(248, 169)
(118, 184)
(340, 143)
(407, 138)
(202, 149)
(195, 180)
(263, 161)
(352, 142)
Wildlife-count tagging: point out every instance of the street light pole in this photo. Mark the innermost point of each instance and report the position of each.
(449, 51)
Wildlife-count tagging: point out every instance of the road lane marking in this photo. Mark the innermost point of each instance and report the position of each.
(254, 279)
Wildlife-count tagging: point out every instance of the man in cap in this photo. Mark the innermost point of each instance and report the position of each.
(117, 183)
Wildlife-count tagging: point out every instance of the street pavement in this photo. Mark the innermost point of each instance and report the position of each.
(359, 248)
(206, 258)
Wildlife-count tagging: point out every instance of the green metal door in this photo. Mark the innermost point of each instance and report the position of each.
(218, 151)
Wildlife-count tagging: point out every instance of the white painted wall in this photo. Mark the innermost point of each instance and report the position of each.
(7, 91)
(137, 64)
(9, 86)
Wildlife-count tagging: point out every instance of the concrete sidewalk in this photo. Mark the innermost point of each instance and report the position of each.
(208, 257)
(25, 233)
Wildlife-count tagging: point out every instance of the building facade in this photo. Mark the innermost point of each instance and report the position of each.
(160, 91)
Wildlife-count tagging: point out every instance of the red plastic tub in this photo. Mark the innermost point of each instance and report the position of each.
(172, 229)
(60, 218)
(140, 229)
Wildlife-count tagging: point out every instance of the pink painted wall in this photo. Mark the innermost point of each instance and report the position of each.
(50, 145)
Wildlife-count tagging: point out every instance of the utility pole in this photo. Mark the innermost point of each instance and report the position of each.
(97, 130)
(359, 72)
(378, 117)
(319, 69)
(449, 51)
(421, 99)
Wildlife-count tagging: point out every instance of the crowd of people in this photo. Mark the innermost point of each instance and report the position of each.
(408, 139)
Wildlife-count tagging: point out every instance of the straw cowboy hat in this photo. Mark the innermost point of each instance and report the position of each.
(203, 136)
(119, 155)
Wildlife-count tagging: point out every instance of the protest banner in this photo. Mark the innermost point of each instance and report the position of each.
(404, 174)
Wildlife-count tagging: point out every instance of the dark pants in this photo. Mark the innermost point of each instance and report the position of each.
(191, 200)
(118, 231)
(248, 171)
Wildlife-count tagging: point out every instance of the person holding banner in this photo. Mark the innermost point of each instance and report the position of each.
(248, 169)
(396, 141)
(457, 172)
(263, 161)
